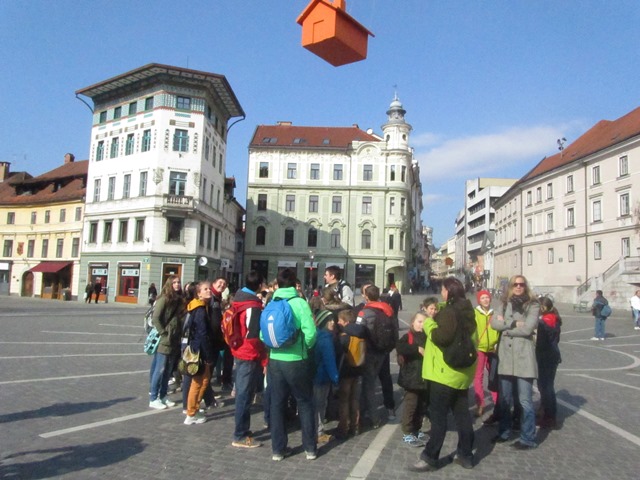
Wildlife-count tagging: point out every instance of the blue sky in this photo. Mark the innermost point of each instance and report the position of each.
(489, 86)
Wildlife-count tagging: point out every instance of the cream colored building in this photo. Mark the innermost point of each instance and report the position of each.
(571, 224)
(320, 196)
(41, 230)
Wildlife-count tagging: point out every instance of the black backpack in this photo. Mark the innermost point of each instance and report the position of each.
(384, 333)
(461, 352)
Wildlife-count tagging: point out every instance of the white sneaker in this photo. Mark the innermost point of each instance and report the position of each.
(168, 402)
(157, 404)
(595, 338)
(636, 328)
(196, 419)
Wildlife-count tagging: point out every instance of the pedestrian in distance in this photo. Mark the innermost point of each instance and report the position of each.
(487, 342)
(635, 309)
(97, 290)
(152, 293)
(596, 310)
(88, 291)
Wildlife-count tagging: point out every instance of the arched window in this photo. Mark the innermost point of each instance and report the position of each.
(335, 238)
(261, 235)
(366, 240)
(312, 237)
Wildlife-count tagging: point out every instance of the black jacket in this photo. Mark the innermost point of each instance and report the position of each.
(410, 376)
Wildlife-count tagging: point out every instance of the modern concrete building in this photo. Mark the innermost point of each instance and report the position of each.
(320, 196)
(157, 203)
(570, 225)
(41, 228)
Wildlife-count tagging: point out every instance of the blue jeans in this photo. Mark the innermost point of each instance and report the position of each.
(161, 369)
(285, 378)
(600, 327)
(524, 387)
(636, 317)
(246, 373)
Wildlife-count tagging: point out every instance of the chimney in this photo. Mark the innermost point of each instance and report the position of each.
(69, 158)
(4, 170)
(283, 123)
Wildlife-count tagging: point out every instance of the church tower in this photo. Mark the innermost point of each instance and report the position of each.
(396, 130)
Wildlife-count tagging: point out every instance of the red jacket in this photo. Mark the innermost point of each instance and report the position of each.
(250, 308)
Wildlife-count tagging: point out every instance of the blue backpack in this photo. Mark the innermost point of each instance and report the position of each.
(277, 324)
(606, 311)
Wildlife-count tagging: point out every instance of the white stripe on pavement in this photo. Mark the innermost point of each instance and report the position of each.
(87, 426)
(583, 375)
(94, 375)
(372, 453)
(102, 334)
(69, 343)
(25, 357)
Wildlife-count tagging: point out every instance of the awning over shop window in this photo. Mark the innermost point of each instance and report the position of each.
(50, 267)
(287, 264)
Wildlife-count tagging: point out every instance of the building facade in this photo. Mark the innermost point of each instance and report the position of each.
(571, 224)
(156, 196)
(321, 196)
(41, 219)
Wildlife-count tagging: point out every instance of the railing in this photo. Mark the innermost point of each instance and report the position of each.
(178, 201)
(584, 288)
(620, 266)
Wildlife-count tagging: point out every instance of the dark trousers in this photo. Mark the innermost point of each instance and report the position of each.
(546, 380)
(246, 373)
(372, 365)
(413, 410)
(387, 383)
(285, 378)
(442, 400)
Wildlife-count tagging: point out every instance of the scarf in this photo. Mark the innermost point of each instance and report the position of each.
(518, 303)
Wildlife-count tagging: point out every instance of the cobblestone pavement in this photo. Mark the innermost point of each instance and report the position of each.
(74, 385)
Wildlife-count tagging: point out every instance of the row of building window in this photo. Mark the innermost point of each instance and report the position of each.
(623, 171)
(338, 172)
(11, 216)
(336, 204)
(123, 231)
(211, 235)
(132, 109)
(7, 251)
(625, 251)
(334, 239)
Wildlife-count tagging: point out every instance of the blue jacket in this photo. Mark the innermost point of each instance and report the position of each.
(325, 358)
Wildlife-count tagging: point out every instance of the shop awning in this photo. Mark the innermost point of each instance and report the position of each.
(50, 267)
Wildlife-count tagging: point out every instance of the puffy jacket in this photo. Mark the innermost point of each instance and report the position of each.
(410, 376)
(304, 321)
(167, 318)
(252, 347)
(487, 336)
(325, 358)
(201, 334)
(440, 332)
(547, 340)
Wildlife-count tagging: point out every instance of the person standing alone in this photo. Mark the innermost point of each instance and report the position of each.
(596, 310)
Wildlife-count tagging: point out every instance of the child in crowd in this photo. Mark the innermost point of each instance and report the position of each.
(350, 374)
(548, 358)
(410, 349)
(487, 341)
(326, 369)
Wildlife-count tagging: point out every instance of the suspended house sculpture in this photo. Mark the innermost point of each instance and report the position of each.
(332, 34)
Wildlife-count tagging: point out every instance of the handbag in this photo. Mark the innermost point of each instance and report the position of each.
(461, 352)
(190, 362)
(152, 341)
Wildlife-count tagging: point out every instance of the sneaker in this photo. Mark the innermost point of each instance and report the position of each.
(391, 413)
(518, 445)
(168, 402)
(246, 442)
(157, 404)
(595, 339)
(324, 438)
(464, 462)
(412, 440)
(172, 381)
(196, 419)
(636, 328)
(422, 435)
(311, 455)
(601, 338)
(277, 457)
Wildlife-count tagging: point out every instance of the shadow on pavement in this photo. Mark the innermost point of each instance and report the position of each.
(74, 458)
(61, 410)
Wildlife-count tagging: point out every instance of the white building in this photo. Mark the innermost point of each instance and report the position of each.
(571, 224)
(156, 198)
(320, 196)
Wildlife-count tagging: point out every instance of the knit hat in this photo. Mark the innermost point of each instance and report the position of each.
(481, 293)
(322, 317)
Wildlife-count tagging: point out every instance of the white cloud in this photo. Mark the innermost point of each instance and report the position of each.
(509, 153)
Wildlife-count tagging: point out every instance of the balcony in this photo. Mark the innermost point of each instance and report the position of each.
(177, 205)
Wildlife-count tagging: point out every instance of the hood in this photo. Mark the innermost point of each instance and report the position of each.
(385, 307)
(288, 292)
(242, 296)
(195, 303)
(481, 310)
(464, 310)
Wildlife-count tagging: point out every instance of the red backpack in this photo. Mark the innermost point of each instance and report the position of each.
(233, 331)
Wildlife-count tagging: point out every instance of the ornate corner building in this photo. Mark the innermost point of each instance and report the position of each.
(321, 196)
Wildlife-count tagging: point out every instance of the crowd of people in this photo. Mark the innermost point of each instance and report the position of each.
(337, 352)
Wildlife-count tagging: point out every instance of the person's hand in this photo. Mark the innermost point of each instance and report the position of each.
(421, 351)
(520, 324)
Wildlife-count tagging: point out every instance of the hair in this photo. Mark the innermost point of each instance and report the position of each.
(364, 287)
(152, 285)
(190, 291)
(373, 293)
(287, 278)
(273, 284)
(168, 292)
(335, 271)
(330, 296)
(254, 280)
(546, 306)
(429, 301)
(201, 285)
(415, 316)
(455, 289)
(599, 293)
(315, 304)
(527, 289)
(347, 315)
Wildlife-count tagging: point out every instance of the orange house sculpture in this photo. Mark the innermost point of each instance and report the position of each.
(332, 34)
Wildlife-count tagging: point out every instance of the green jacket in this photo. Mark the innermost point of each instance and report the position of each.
(167, 318)
(304, 321)
(440, 331)
(487, 336)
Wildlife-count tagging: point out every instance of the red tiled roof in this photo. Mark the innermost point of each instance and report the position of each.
(603, 134)
(73, 174)
(290, 136)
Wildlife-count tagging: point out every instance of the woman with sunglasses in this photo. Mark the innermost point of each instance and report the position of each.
(517, 319)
